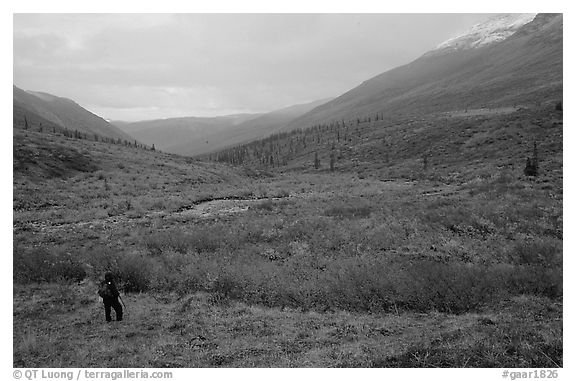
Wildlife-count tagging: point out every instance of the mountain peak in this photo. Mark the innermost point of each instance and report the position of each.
(495, 29)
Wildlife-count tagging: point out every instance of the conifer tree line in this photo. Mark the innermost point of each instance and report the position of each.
(278, 149)
(80, 135)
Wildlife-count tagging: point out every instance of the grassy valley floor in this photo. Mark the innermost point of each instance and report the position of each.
(64, 326)
(229, 266)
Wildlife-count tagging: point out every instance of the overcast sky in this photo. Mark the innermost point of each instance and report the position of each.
(150, 66)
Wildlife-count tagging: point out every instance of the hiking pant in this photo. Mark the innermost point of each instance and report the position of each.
(113, 303)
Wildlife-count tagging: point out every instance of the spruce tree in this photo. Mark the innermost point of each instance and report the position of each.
(332, 160)
(559, 106)
(531, 168)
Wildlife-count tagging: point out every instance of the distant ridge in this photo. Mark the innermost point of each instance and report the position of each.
(260, 127)
(195, 136)
(61, 112)
(170, 133)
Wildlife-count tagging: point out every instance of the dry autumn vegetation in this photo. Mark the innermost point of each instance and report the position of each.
(382, 262)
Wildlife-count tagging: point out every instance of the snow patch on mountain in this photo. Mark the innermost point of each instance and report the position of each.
(493, 30)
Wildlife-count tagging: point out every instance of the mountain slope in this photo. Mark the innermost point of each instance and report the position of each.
(177, 135)
(52, 111)
(253, 129)
(525, 67)
(195, 136)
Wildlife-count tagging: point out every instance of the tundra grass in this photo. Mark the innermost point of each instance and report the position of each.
(225, 266)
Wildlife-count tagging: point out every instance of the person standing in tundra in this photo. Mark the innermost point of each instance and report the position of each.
(109, 294)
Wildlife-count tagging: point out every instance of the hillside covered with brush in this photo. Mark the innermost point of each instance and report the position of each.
(523, 69)
(57, 113)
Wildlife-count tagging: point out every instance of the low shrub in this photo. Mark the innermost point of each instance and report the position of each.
(348, 211)
(264, 205)
(387, 236)
(134, 272)
(282, 193)
(540, 252)
(46, 265)
(201, 240)
(369, 283)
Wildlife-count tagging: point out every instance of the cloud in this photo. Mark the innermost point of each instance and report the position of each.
(133, 66)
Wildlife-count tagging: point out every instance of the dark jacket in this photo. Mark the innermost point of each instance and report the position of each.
(109, 279)
(113, 288)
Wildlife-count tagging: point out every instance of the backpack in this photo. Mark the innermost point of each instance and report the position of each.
(105, 290)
